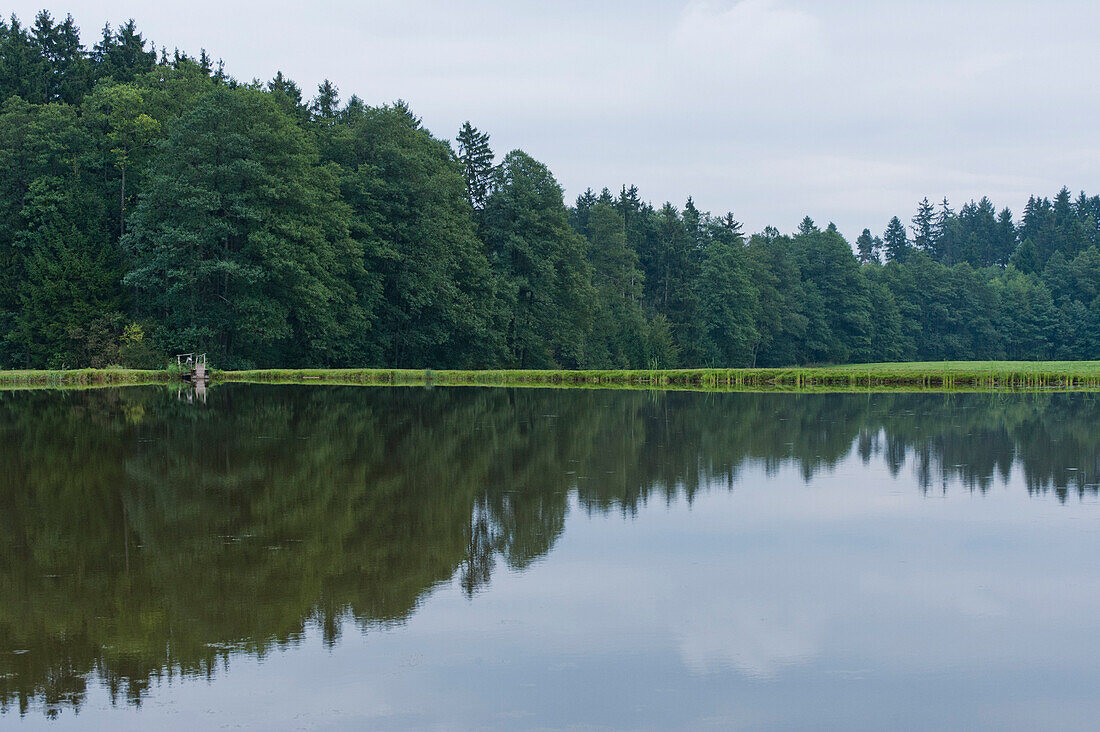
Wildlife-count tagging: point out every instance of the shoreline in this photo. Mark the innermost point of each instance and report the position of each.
(938, 376)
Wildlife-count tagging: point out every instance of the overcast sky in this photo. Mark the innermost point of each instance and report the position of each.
(846, 110)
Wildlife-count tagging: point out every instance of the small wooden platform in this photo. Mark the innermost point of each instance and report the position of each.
(193, 368)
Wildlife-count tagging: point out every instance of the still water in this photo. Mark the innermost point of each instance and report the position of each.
(287, 557)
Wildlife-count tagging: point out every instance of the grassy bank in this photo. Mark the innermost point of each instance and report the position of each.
(82, 377)
(937, 375)
(930, 375)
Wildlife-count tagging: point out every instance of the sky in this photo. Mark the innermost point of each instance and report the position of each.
(847, 111)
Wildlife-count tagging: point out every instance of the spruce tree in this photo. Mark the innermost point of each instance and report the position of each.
(943, 234)
(865, 247)
(122, 55)
(326, 105)
(924, 227)
(476, 158)
(288, 95)
(629, 204)
(62, 58)
(1006, 238)
(22, 67)
(895, 241)
(581, 212)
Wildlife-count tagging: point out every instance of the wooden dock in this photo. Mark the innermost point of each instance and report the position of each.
(193, 368)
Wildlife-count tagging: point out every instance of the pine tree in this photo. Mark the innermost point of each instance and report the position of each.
(476, 158)
(924, 227)
(976, 234)
(71, 67)
(22, 68)
(629, 204)
(102, 50)
(1038, 227)
(943, 234)
(733, 229)
(122, 55)
(353, 110)
(402, 108)
(1025, 258)
(59, 271)
(1006, 238)
(326, 105)
(1071, 236)
(220, 77)
(581, 212)
(895, 241)
(693, 220)
(865, 247)
(288, 95)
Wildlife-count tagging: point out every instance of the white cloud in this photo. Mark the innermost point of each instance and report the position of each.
(746, 36)
(758, 641)
(845, 110)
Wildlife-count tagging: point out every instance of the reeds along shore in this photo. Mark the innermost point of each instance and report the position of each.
(84, 377)
(949, 375)
(945, 375)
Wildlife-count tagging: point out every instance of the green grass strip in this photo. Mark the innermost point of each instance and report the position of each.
(935, 375)
(939, 375)
(83, 377)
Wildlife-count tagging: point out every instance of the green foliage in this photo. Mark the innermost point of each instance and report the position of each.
(274, 230)
(540, 263)
(868, 247)
(895, 241)
(326, 105)
(427, 275)
(121, 55)
(476, 158)
(240, 241)
(618, 337)
(924, 226)
(60, 296)
(728, 301)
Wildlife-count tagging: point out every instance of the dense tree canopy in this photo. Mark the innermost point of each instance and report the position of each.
(151, 203)
(240, 241)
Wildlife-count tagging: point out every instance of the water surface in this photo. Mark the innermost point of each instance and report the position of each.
(282, 557)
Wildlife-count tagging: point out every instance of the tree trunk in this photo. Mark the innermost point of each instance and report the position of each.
(122, 205)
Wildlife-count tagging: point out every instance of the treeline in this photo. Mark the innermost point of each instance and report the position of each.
(153, 204)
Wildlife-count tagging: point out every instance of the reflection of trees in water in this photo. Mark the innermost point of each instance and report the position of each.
(143, 538)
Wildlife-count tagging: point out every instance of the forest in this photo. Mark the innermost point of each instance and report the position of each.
(151, 204)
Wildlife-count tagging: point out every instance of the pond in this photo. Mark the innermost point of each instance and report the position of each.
(286, 557)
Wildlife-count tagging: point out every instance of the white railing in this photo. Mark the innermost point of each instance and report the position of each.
(190, 360)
